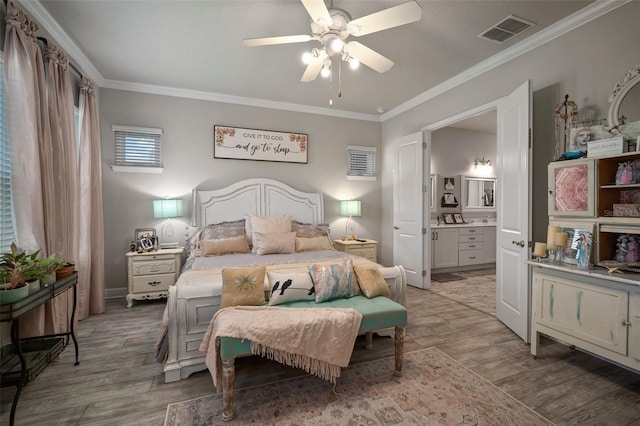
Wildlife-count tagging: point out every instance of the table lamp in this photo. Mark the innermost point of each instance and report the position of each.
(350, 208)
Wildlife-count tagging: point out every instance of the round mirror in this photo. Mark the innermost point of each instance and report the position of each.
(625, 99)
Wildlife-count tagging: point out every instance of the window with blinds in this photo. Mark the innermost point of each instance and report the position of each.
(137, 146)
(361, 162)
(7, 220)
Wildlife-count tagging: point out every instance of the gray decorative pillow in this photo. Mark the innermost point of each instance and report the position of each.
(309, 230)
(217, 233)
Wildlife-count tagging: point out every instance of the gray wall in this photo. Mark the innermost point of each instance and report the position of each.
(585, 63)
(187, 155)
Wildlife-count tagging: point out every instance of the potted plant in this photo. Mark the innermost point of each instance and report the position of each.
(48, 267)
(14, 286)
(32, 270)
(65, 269)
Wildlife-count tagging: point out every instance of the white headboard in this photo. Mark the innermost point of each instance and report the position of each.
(263, 197)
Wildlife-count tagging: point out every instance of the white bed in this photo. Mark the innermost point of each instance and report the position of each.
(196, 297)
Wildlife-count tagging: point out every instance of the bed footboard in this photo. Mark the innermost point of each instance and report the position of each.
(190, 310)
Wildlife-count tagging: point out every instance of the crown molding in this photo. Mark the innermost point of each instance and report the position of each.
(571, 22)
(48, 24)
(230, 99)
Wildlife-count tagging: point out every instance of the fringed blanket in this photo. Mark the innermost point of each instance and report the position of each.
(318, 340)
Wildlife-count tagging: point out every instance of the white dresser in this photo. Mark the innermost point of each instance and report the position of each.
(150, 274)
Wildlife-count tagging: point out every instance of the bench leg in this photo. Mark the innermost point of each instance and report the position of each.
(228, 377)
(368, 340)
(399, 341)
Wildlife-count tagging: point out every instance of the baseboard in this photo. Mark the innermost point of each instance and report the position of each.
(116, 293)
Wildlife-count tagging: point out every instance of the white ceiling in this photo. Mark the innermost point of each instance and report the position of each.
(194, 48)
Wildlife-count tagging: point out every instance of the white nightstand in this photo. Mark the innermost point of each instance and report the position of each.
(366, 248)
(151, 273)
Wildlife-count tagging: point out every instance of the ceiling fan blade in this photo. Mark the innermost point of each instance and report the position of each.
(318, 12)
(367, 56)
(312, 71)
(402, 14)
(265, 41)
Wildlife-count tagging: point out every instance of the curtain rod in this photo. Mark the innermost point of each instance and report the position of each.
(71, 65)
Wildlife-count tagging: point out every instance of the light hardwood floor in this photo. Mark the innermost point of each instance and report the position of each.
(118, 381)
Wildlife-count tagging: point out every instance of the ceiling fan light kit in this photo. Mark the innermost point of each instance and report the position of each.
(331, 27)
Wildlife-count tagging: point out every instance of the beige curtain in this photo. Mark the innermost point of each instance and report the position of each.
(91, 255)
(45, 171)
(28, 136)
(62, 204)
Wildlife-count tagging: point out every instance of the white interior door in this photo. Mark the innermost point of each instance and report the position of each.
(408, 205)
(513, 224)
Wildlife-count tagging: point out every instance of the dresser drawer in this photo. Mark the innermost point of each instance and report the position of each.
(470, 257)
(155, 266)
(151, 283)
(471, 246)
(470, 238)
(470, 231)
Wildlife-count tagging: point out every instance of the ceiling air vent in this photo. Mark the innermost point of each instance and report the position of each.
(505, 29)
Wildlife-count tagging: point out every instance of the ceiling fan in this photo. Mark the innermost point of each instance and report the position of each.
(332, 26)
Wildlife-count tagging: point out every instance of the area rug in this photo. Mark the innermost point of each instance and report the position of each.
(476, 289)
(434, 390)
(444, 277)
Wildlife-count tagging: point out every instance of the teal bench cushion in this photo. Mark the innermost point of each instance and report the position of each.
(377, 313)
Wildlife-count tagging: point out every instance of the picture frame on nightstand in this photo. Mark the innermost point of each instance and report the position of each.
(145, 238)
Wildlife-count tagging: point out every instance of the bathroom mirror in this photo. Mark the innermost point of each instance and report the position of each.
(625, 99)
(478, 194)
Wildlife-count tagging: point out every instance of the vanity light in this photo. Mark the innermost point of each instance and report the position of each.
(482, 162)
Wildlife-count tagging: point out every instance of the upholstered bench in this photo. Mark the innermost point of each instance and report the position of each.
(377, 313)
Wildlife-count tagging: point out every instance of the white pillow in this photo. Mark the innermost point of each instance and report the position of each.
(290, 287)
(267, 224)
(274, 242)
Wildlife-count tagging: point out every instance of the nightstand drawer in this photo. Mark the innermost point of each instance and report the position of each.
(155, 266)
(470, 257)
(471, 246)
(368, 252)
(150, 283)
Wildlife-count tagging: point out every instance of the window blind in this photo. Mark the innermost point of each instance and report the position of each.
(362, 161)
(137, 146)
(7, 220)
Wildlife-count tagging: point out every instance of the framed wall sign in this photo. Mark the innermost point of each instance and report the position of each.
(260, 145)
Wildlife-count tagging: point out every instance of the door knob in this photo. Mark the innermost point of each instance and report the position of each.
(395, 227)
(518, 243)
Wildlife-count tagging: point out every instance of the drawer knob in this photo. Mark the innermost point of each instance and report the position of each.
(626, 323)
(155, 283)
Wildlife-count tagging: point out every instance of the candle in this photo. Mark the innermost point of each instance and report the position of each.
(540, 250)
(551, 233)
(560, 239)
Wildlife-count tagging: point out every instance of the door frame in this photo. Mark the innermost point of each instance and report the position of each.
(426, 137)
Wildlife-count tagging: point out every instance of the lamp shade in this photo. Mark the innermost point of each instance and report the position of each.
(350, 208)
(167, 208)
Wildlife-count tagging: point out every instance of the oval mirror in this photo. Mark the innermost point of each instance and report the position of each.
(625, 99)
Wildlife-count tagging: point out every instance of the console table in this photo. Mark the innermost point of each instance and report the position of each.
(24, 359)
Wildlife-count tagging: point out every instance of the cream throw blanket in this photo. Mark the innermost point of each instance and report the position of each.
(318, 340)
